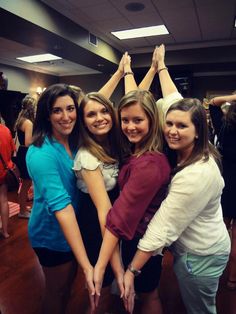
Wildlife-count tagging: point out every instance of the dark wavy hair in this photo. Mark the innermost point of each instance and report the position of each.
(42, 125)
(202, 149)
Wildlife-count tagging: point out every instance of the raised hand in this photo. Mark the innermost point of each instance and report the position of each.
(127, 62)
(154, 64)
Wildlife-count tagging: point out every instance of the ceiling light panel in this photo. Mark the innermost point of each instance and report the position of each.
(39, 58)
(141, 32)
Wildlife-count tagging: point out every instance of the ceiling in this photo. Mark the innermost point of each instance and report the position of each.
(202, 36)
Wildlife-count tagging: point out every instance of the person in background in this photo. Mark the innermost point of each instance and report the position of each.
(190, 218)
(143, 180)
(53, 229)
(24, 130)
(7, 148)
(225, 128)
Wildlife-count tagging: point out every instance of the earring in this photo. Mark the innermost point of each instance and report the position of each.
(196, 136)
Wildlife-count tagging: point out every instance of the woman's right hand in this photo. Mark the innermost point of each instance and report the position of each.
(160, 56)
(90, 286)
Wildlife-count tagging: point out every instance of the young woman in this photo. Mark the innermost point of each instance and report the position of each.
(7, 147)
(53, 229)
(190, 218)
(96, 166)
(143, 180)
(24, 129)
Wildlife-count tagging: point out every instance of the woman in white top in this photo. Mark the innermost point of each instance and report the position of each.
(190, 218)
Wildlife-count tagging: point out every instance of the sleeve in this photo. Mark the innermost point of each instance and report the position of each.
(166, 102)
(188, 195)
(142, 185)
(216, 118)
(85, 160)
(47, 180)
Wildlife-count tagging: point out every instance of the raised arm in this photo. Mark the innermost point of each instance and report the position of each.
(148, 78)
(130, 83)
(167, 85)
(220, 100)
(108, 89)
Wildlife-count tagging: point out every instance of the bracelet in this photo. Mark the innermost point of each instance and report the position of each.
(134, 271)
(129, 73)
(162, 69)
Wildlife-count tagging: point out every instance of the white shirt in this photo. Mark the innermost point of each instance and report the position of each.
(85, 160)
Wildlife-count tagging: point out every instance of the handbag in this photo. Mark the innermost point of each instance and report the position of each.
(12, 178)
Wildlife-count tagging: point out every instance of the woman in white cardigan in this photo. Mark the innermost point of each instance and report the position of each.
(190, 218)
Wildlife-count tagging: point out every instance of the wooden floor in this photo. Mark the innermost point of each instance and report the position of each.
(21, 281)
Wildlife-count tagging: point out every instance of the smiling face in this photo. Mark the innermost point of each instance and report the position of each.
(97, 119)
(63, 117)
(180, 132)
(134, 124)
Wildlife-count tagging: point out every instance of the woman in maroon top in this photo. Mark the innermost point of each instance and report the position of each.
(143, 181)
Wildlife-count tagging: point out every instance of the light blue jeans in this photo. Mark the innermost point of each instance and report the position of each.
(198, 278)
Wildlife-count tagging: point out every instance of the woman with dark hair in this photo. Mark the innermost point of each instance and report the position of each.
(190, 219)
(53, 229)
(24, 129)
(225, 128)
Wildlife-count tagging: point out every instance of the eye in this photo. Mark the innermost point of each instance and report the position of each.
(90, 114)
(71, 108)
(182, 126)
(168, 123)
(124, 120)
(138, 120)
(105, 110)
(56, 110)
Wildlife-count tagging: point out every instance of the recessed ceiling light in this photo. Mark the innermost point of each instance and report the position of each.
(135, 6)
(141, 32)
(39, 58)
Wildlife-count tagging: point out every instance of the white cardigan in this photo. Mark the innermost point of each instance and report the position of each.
(191, 214)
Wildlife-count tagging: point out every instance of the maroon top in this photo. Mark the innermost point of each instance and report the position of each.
(143, 182)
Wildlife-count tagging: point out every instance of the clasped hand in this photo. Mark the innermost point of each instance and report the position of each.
(94, 280)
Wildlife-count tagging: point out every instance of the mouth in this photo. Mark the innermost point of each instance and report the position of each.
(101, 125)
(173, 140)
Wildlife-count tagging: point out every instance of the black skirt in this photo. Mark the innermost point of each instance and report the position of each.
(91, 232)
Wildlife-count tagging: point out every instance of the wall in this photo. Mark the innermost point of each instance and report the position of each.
(26, 81)
(91, 83)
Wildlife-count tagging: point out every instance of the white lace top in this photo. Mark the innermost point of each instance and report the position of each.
(85, 160)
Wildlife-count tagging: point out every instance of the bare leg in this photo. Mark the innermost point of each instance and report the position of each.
(150, 303)
(58, 281)
(232, 259)
(22, 198)
(4, 210)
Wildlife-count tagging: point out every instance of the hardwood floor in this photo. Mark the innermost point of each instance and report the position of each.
(21, 281)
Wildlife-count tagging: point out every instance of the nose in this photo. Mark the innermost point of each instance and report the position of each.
(173, 130)
(65, 115)
(130, 126)
(99, 116)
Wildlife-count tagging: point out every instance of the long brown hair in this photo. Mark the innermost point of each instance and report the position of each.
(28, 106)
(108, 154)
(153, 141)
(202, 149)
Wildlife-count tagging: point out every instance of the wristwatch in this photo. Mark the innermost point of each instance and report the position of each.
(136, 272)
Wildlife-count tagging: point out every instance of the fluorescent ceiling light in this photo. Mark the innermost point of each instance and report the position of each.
(39, 58)
(141, 32)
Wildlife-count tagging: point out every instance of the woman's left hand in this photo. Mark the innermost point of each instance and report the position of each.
(91, 288)
(98, 280)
